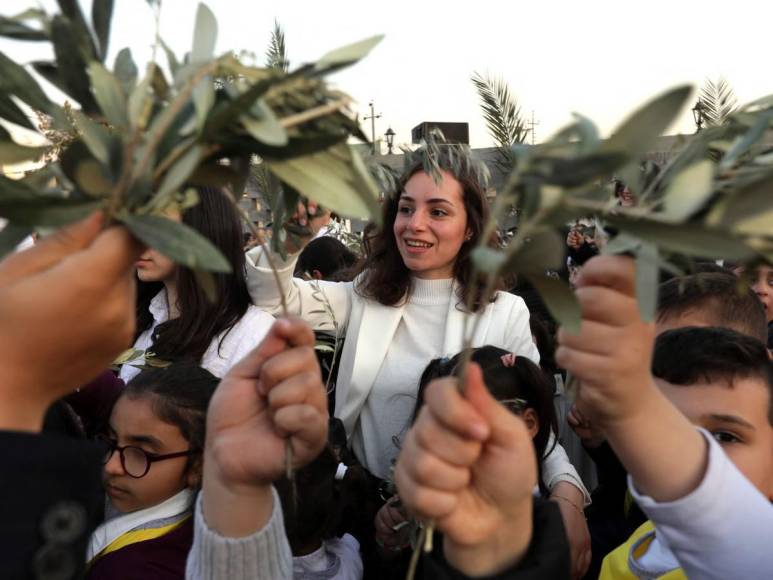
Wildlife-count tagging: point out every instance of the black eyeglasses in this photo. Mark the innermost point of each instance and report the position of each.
(135, 460)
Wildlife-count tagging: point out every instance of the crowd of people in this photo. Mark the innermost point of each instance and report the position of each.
(232, 448)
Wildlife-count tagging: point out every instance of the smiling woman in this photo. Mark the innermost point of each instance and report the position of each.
(407, 307)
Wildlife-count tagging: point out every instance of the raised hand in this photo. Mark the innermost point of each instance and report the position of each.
(612, 353)
(66, 312)
(468, 465)
(273, 396)
(611, 356)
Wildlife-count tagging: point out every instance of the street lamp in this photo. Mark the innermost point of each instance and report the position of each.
(697, 115)
(390, 137)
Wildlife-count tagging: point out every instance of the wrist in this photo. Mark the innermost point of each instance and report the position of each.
(233, 509)
(637, 403)
(22, 414)
(501, 550)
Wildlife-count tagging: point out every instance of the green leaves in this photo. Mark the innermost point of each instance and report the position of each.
(638, 133)
(14, 80)
(204, 36)
(180, 171)
(264, 126)
(108, 94)
(687, 239)
(559, 299)
(347, 55)
(101, 15)
(327, 178)
(689, 191)
(11, 152)
(176, 241)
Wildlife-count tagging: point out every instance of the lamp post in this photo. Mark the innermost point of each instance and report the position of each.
(372, 119)
(390, 137)
(697, 115)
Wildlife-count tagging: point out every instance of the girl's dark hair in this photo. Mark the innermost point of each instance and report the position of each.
(385, 277)
(201, 320)
(319, 508)
(180, 396)
(523, 380)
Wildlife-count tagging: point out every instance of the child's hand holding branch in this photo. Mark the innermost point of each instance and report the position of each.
(272, 397)
(611, 355)
(468, 465)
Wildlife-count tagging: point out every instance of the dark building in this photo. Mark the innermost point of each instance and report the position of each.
(454, 132)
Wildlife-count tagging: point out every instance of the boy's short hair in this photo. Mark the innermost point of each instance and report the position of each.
(690, 355)
(719, 297)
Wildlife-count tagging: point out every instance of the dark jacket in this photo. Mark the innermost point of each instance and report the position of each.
(51, 499)
(161, 558)
(547, 556)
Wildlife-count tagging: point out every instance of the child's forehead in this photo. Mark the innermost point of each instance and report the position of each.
(745, 398)
(134, 416)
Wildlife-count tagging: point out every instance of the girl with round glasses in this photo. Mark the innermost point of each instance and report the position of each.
(153, 465)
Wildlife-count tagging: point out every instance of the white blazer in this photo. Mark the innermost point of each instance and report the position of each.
(370, 326)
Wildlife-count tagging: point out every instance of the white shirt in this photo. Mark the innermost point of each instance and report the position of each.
(338, 558)
(721, 530)
(386, 415)
(219, 357)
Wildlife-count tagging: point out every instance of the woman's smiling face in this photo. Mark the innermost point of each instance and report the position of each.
(431, 225)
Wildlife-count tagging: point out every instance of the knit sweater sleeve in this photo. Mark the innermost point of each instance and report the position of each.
(265, 555)
(720, 530)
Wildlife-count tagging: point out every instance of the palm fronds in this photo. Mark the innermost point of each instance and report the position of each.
(501, 111)
(718, 100)
(276, 53)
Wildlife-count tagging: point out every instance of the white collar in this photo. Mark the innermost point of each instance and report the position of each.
(657, 561)
(159, 307)
(111, 529)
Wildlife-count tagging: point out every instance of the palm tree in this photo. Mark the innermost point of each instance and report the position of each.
(276, 53)
(718, 102)
(502, 113)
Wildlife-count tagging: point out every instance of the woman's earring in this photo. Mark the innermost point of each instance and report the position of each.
(468, 237)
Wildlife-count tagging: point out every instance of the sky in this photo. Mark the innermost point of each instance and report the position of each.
(601, 58)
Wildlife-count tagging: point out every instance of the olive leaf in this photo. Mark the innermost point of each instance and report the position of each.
(101, 15)
(689, 191)
(688, 239)
(14, 80)
(95, 136)
(180, 171)
(13, 28)
(11, 112)
(347, 55)
(325, 177)
(109, 94)
(204, 35)
(264, 126)
(177, 241)
(71, 66)
(638, 133)
(559, 299)
(11, 152)
(126, 70)
(647, 270)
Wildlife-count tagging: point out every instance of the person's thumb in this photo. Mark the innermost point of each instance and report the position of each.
(506, 428)
(52, 249)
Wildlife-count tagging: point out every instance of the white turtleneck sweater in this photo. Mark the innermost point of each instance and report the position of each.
(387, 413)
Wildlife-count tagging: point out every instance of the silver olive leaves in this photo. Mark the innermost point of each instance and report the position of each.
(142, 138)
(714, 200)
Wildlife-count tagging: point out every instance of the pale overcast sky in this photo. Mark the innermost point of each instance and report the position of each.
(597, 57)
